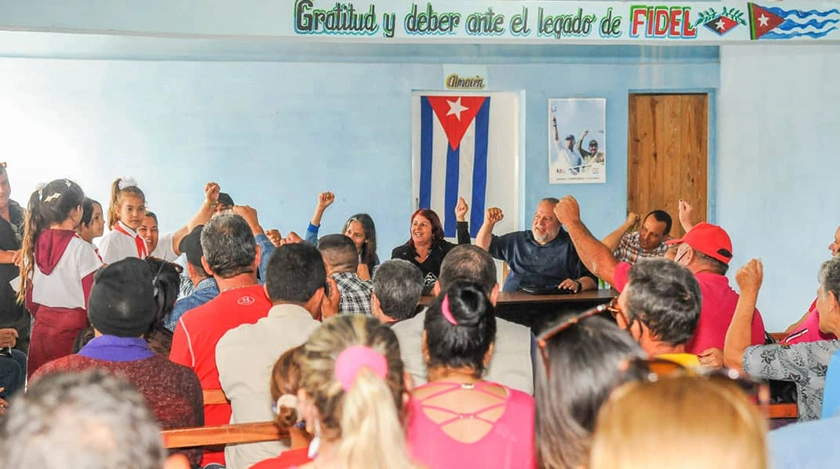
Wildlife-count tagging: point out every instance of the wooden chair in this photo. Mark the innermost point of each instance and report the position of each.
(215, 397)
(222, 435)
(783, 411)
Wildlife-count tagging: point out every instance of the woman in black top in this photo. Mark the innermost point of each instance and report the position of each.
(427, 247)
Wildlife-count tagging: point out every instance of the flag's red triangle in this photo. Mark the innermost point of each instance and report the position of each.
(455, 114)
(762, 21)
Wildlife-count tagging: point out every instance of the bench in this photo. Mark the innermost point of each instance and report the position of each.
(222, 435)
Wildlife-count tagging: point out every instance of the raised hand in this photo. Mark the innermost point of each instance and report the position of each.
(211, 193)
(567, 210)
(250, 216)
(325, 199)
(750, 276)
(292, 238)
(493, 215)
(461, 209)
(632, 219)
(275, 237)
(686, 215)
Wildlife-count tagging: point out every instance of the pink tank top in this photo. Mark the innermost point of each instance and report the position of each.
(508, 445)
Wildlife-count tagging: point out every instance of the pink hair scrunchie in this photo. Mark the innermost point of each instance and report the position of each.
(447, 314)
(353, 359)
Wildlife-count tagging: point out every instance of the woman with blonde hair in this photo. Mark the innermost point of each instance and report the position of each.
(687, 422)
(351, 395)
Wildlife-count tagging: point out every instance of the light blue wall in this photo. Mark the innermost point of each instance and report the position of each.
(778, 165)
(275, 133)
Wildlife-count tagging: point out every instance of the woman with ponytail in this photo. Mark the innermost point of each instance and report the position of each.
(457, 419)
(56, 270)
(285, 382)
(351, 395)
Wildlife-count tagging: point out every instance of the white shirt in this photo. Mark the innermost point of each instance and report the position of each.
(164, 249)
(511, 364)
(115, 246)
(62, 288)
(245, 357)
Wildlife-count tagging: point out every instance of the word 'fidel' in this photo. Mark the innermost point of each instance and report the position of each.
(342, 18)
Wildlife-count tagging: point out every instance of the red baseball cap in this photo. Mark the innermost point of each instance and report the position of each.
(709, 239)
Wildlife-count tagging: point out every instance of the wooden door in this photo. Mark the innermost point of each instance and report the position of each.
(667, 154)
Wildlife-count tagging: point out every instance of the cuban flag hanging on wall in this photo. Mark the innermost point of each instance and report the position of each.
(454, 134)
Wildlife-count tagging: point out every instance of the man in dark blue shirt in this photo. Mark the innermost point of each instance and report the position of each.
(541, 257)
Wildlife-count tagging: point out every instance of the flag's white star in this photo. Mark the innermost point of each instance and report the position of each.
(720, 25)
(763, 20)
(456, 108)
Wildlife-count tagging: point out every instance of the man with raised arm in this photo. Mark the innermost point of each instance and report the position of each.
(647, 241)
(541, 257)
(705, 250)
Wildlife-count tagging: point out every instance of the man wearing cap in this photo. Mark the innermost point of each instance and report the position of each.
(225, 202)
(705, 250)
(205, 287)
(593, 155)
(121, 308)
(568, 160)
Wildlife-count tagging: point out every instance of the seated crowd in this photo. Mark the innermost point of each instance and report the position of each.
(320, 337)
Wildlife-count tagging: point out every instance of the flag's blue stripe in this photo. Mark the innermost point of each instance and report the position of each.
(426, 139)
(479, 183)
(791, 25)
(453, 166)
(801, 14)
(773, 35)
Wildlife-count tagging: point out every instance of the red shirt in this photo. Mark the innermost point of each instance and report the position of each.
(716, 311)
(809, 330)
(197, 333)
(287, 459)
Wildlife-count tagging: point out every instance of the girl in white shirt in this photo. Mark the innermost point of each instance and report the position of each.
(125, 214)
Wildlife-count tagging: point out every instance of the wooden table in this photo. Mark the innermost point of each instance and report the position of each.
(537, 311)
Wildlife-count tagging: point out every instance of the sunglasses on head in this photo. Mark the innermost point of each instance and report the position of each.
(655, 369)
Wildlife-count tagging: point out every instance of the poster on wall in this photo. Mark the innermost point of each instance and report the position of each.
(577, 150)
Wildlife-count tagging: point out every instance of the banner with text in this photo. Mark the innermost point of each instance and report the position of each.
(566, 21)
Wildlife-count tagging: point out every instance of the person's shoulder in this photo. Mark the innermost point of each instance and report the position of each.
(408, 326)
(400, 252)
(69, 363)
(511, 327)
(241, 334)
(520, 398)
(179, 373)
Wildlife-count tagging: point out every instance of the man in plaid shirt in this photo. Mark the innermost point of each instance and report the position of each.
(648, 241)
(342, 261)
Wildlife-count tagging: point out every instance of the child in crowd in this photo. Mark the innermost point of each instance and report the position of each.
(56, 270)
(125, 215)
(93, 224)
(285, 381)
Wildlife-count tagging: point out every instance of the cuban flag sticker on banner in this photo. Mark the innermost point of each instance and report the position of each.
(453, 156)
